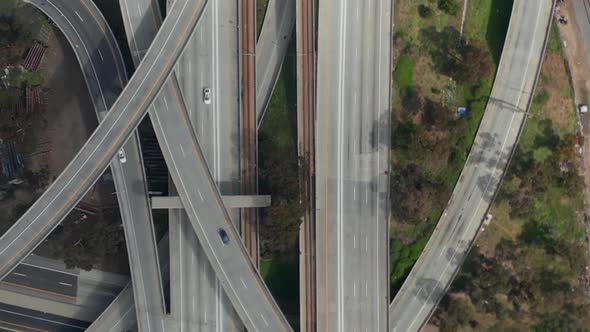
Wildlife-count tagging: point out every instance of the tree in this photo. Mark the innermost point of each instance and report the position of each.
(450, 7)
(452, 57)
(556, 321)
(460, 312)
(280, 223)
(425, 11)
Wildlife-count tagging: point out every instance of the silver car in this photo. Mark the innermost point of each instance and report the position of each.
(207, 95)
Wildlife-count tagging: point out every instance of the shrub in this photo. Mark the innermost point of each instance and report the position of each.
(425, 11)
(450, 7)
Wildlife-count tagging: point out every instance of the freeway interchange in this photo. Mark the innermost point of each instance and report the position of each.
(214, 284)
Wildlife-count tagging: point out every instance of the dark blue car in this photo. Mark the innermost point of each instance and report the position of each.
(223, 235)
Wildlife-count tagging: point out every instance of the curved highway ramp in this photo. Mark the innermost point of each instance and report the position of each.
(496, 139)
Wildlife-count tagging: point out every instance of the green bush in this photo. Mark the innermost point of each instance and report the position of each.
(425, 11)
(450, 7)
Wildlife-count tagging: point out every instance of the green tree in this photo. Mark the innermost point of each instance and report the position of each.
(425, 11)
(460, 313)
(450, 7)
(556, 321)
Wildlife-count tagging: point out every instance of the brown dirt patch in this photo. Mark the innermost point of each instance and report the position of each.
(70, 118)
(575, 54)
(559, 103)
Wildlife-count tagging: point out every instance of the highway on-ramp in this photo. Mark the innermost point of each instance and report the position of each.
(271, 49)
(494, 144)
(102, 65)
(352, 165)
(99, 150)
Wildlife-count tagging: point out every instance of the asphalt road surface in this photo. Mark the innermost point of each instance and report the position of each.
(120, 315)
(24, 320)
(352, 163)
(210, 60)
(91, 161)
(44, 280)
(100, 59)
(202, 202)
(474, 192)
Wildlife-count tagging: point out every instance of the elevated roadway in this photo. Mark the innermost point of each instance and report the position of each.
(210, 60)
(352, 164)
(205, 63)
(202, 201)
(102, 65)
(474, 193)
(99, 150)
(120, 315)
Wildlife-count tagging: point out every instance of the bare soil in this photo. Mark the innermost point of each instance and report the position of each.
(559, 103)
(70, 117)
(575, 54)
(579, 67)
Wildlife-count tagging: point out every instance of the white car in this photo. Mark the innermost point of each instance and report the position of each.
(122, 157)
(207, 95)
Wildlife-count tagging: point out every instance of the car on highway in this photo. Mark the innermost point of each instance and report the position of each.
(223, 235)
(207, 95)
(121, 156)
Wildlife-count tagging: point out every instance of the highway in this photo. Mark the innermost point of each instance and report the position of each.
(120, 315)
(216, 127)
(202, 201)
(493, 147)
(24, 320)
(271, 49)
(99, 150)
(210, 60)
(102, 65)
(352, 165)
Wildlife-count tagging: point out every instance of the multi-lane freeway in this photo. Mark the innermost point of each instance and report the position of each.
(103, 68)
(352, 163)
(495, 142)
(209, 61)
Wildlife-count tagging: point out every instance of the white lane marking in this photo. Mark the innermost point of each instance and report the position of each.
(354, 289)
(200, 195)
(19, 274)
(354, 241)
(80, 17)
(191, 208)
(165, 103)
(367, 289)
(65, 284)
(264, 319)
(215, 77)
(366, 244)
(354, 193)
(85, 49)
(44, 319)
(243, 283)
(340, 171)
(367, 196)
(100, 54)
(182, 150)
(190, 67)
(138, 7)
